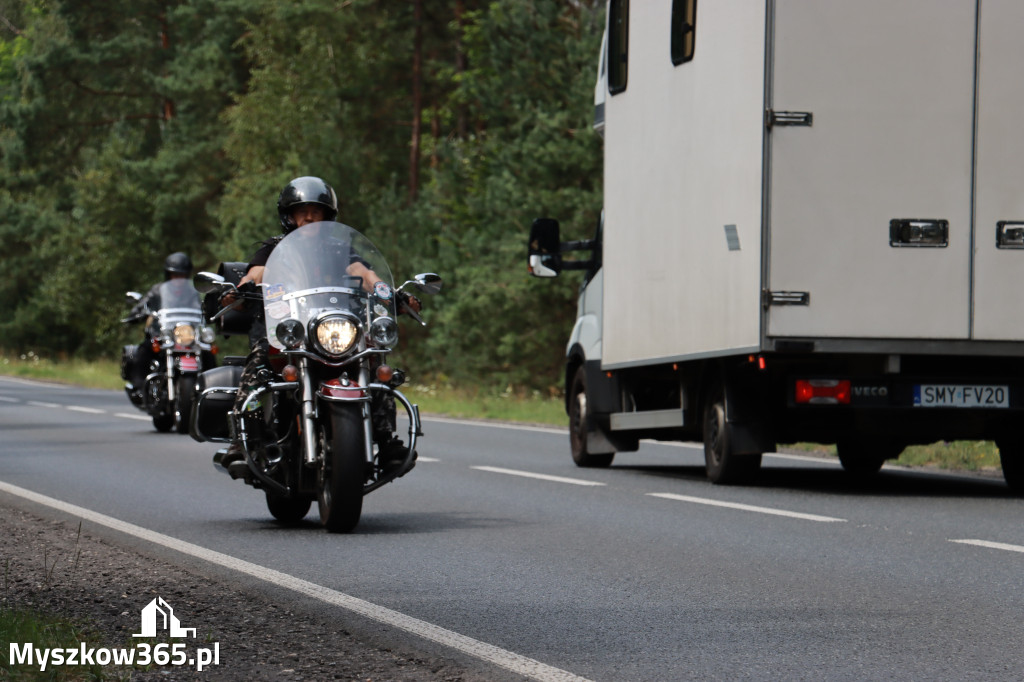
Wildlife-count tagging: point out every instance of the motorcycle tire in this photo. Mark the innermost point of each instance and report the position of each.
(340, 475)
(186, 393)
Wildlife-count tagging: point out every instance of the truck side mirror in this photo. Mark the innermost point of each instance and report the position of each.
(545, 248)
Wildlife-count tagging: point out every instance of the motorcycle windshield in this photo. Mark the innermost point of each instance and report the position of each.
(179, 303)
(316, 270)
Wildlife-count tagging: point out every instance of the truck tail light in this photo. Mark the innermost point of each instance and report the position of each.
(823, 391)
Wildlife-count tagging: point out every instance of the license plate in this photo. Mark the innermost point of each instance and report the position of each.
(188, 363)
(956, 395)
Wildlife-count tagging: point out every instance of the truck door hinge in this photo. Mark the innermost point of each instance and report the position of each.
(786, 298)
(788, 118)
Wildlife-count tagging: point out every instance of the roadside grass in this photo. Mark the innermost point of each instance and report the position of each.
(22, 626)
(442, 399)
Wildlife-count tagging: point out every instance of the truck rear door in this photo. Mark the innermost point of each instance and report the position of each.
(871, 167)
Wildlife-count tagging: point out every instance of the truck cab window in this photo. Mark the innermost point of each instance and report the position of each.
(684, 29)
(618, 44)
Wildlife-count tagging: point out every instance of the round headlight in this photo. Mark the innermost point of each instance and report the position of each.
(207, 335)
(335, 335)
(384, 332)
(290, 333)
(184, 334)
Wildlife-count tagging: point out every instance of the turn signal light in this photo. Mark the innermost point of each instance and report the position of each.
(290, 373)
(384, 373)
(823, 391)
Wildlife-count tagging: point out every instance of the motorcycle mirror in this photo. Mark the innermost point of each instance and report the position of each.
(428, 282)
(205, 282)
(132, 297)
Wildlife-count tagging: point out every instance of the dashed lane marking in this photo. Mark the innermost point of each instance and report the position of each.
(87, 410)
(747, 507)
(543, 477)
(991, 545)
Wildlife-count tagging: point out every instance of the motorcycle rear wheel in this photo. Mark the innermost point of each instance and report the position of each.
(340, 476)
(163, 423)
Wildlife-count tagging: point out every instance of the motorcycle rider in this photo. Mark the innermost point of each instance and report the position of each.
(304, 200)
(176, 266)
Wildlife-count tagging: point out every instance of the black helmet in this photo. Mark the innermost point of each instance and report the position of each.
(177, 263)
(306, 190)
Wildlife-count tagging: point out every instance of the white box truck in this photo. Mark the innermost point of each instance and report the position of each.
(813, 230)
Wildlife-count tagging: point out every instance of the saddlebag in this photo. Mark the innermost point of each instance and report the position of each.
(233, 322)
(210, 413)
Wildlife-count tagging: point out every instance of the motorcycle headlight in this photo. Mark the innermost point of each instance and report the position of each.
(207, 335)
(184, 334)
(335, 335)
(384, 332)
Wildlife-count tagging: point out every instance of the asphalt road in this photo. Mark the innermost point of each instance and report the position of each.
(643, 571)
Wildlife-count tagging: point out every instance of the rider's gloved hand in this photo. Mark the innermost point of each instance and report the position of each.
(408, 302)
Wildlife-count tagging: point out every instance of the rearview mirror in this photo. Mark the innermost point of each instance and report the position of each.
(132, 297)
(205, 282)
(545, 256)
(428, 282)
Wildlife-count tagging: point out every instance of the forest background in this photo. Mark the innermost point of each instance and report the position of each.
(130, 129)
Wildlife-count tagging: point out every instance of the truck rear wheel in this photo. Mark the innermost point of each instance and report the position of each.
(578, 426)
(1011, 457)
(722, 465)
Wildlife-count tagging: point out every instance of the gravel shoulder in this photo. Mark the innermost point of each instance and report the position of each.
(58, 567)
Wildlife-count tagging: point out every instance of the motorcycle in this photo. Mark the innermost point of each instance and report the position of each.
(182, 347)
(319, 424)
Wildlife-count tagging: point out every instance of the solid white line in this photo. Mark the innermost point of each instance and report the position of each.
(29, 382)
(991, 545)
(543, 477)
(747, 507)
(5, 399)
(521, 665)
(494, 425)
(87, 410)
(36, 403)
(125, 415)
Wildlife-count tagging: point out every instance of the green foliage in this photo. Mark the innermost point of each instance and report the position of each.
(133, 128)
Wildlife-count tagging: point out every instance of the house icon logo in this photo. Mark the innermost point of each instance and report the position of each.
(158, 614)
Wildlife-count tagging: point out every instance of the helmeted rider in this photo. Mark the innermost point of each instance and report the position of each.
(176, 266)
(303, 201)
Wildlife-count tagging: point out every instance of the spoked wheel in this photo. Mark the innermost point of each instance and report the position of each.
(578, 426)
(721, 464)
(1011, 457)
(862, 459)
(186, 393)
(288, 510)
(340, 475)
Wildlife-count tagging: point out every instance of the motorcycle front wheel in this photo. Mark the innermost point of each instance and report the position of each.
(287, 510)
(186, 390)
(340, 475)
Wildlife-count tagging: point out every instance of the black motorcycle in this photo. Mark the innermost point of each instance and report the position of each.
(320, 422)
(181, 346)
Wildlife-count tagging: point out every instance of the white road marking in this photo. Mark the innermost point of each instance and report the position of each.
(991, 545)
(543, 477)
(87, 410)
(520, 665)
(125, 415)
(5, 399)
(494, 425)
(427, 459)
(29, 382)
(36, 403)
(747, 507)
